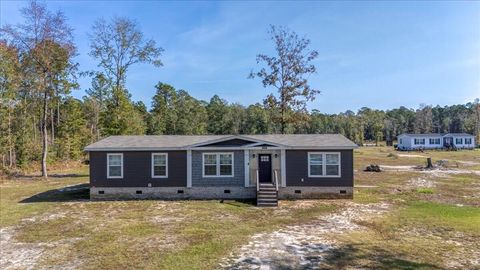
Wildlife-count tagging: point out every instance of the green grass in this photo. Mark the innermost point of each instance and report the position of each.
(465, 218)
(425, 190)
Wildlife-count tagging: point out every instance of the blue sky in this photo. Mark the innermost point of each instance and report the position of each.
(376, 54)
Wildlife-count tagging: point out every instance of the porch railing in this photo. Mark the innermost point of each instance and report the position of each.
(275, 176)
(258, 182)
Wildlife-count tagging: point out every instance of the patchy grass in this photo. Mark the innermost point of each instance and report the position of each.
(425, 190)
(434, 221)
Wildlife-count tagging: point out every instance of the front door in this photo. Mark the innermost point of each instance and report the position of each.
(265, 168)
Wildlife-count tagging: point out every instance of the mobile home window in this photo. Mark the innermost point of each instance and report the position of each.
(217, 164)
(434, 141)
(114, 165)
(419, 141)
(159, 165)
(458, 141)
(468, 140)
(323, 164)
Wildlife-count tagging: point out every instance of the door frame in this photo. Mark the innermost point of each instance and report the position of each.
(271, 167)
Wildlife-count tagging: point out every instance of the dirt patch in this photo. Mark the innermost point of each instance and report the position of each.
(300, 246)
(421, 183)
(19, 255)
(438, 172)
(411, 155)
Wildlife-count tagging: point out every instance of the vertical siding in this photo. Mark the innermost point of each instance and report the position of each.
(137, 170)
(238, 170)
(297, 169)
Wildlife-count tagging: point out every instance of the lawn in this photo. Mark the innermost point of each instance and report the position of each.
(433, 221)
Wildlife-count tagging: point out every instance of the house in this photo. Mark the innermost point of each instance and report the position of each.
(435, 141)
(266, 167)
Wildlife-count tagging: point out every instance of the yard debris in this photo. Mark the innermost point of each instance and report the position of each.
(301, 246)
(373, 168)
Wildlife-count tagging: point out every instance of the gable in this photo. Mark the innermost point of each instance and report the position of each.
(231, 142)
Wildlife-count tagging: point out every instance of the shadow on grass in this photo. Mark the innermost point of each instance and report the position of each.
(65, 194)
(51, 176)
(355, 256)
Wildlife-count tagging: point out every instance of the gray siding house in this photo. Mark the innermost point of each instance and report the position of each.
(262, 167)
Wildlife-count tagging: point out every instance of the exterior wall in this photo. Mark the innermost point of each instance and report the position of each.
(238, 170)
(463, 145)
(211, 193)
(427, 144)
(137, 171)
(137, 177)
(297, 170)
(408, 142)
(276, 164)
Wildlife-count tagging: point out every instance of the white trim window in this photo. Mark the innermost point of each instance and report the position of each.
(217, 165)
(418, 141)
(434, 141)
(159, 165)
(115, 165)
(458, 140)
(468, 140)
(324, 164)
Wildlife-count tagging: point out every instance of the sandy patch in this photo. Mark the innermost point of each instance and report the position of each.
(18, 255)
(300, 246)
(421, 183)
(411, 155)
(439, 172)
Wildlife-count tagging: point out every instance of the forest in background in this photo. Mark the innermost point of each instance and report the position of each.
(42, 123)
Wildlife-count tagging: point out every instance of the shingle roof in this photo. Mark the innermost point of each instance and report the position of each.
(436, 134)
(150, 142)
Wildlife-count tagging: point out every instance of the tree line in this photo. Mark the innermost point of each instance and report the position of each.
(41, 122)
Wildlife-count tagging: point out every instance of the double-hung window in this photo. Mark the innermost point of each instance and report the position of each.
(468, 140)
(217, 164)
(323, 164)
(458, 140)
(114, 165)
(419, 141)
(434, 140)
(159, 165)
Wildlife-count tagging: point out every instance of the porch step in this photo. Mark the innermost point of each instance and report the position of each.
(267, 195)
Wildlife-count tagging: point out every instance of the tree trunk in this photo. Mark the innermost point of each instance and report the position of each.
(10, 150)
(44, 136)
(52, 126)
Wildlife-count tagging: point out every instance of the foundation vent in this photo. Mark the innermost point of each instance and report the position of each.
(180, 191)
(343, 192)
(226, 191)
(298, 191)
(101, 192)
(138, 192)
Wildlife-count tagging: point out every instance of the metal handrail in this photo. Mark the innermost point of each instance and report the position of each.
(275, 173)
(258, 182)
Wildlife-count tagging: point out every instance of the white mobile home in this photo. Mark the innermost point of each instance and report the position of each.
(435, 141)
